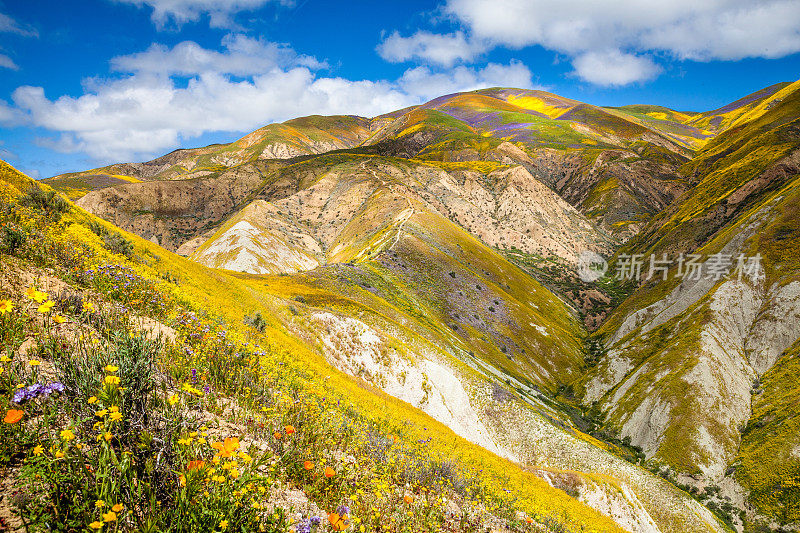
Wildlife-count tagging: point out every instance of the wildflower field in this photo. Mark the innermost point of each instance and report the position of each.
(136, 396)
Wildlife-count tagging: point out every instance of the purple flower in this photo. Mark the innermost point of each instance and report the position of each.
(52, 387)
(35, 390)
(343, 510)
(19, 396)
(304, 526)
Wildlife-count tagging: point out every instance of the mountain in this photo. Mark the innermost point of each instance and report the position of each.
(692, 353)
(436, 254)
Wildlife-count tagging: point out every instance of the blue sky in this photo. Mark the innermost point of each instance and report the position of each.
(90, 82)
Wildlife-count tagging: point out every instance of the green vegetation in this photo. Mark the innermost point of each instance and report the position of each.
(768, 462)
(113, 240)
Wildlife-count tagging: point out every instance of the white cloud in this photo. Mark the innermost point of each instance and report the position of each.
(149, 112)
(625, 29)
(755, 29)
(9, 25)
(444, 50)
(614, 68)
(7, 62)
(243, 56)
(220, 12)
(10, 116)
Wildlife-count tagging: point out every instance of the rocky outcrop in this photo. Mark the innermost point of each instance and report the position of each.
(617, 189)
(173, 212)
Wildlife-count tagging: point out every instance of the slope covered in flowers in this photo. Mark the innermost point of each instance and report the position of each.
(150, 405)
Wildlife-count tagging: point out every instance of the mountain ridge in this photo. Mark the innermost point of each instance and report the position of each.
(444, 240)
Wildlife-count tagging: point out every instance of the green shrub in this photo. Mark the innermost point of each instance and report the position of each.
(112, 240)
(13, 239)
(256, 321)
(50, 203)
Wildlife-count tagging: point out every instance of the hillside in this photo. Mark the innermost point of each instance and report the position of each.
(426, 269)
(421, 371)
(260, 372)
(692, 353)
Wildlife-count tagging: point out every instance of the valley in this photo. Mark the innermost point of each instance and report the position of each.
(428, 259)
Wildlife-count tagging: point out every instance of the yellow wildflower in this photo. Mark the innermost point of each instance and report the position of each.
(67, 435)
(111, 368)
(38, 296)
(46, 307)
(38, 450)
(5, 306)
(58, 319)
(109, 516)
(34, 362)
(96, 525)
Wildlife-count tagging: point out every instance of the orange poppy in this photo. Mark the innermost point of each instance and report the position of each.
(13, 416)
(289, 430)
(278, 435)
(227, 448)
(408, 499)
(338, 523)
(329, 472)
(308, 465)
(195, 464)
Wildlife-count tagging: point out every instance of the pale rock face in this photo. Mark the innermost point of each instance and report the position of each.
(616, 367)
(775, 330)
(682, 297)
(623, 506)
(646, 425)
(355, 348)
(750, 327)
(348, 215)
(742, 333)
(514, 210)
(247, 248)
(423, 379)
(719, 382)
